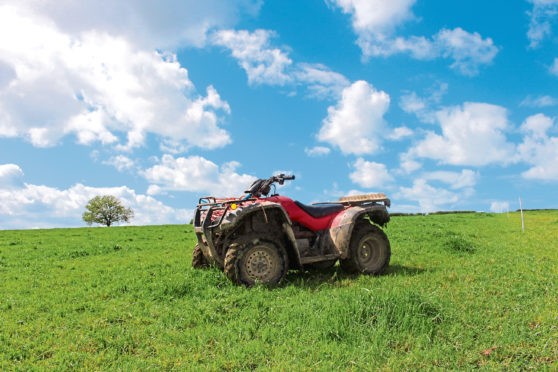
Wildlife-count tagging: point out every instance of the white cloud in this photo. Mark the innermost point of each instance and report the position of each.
(412, 103)
(11, 176)
(542, 16)
(499, 206)
(430, 199)
(267, 64)
(198, 174)
(376, 17)
(24, 205)
(263, 64)
(539, 149)
(148, 24)
(356, 124)
(375, 23)
(317, 151)
(539, 102)
(468, 50)
(554, 68)
(472, 134)
(467, 178)
(370, 174)
(422, 107)
(408, 163)
(400, 133)
(121, 162)
(98, 87)
(320, 81)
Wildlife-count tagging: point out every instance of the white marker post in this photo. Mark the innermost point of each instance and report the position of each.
(522, 221)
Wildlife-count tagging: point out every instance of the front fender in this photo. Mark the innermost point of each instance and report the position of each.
(242, 214)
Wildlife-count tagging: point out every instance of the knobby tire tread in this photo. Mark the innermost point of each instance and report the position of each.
(198, 259)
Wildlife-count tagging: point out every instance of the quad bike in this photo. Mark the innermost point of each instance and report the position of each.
(257, 238)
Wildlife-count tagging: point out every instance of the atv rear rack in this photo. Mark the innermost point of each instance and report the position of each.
(361, 200)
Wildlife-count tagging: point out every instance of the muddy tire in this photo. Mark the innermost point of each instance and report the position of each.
(369, 250)
(257, 261)
(198, 259)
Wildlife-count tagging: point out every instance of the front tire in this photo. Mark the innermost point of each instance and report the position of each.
(369, 250)
(257, 262)
(198, 259)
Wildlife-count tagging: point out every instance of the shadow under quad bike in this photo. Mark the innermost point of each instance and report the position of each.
(257, 238)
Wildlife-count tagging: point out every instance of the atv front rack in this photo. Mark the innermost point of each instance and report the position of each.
(204, 222)
(210, 205)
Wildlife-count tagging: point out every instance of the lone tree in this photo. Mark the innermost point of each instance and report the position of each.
(106, 210)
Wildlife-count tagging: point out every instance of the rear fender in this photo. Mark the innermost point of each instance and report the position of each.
(342, 225)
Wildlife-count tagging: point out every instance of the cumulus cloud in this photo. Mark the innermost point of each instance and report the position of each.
(370, 174)
(423, 107)
(429, 198)
(356, 123)
(320, 81)
(196, 173)
(539, 149)
(376, 17)
(148, 24)
(467, 50)
(121, 162)
(262, 63)
(408, 163)
(400, 133)
(466, 179)
(499, 206)
(472, 134)
(11, 176)
(271, 65)
(554, 68)
(317, 151)
(24, 205)
(98, 87)
(375, 23)
(540, 101)
(542, 16)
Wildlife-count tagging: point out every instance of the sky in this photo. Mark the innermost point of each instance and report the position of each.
(440, 105)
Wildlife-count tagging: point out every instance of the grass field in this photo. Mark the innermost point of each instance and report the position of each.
(462, 292)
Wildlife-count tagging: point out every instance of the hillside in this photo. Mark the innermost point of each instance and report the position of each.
(463, 291)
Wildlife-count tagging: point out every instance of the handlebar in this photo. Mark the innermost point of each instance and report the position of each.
(262, 186)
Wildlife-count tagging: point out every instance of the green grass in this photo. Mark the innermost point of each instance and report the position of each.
(458, 287)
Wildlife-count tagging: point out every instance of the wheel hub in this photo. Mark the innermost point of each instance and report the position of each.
(259, 264)
(368, 253)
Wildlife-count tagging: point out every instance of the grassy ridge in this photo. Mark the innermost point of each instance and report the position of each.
(463, 291)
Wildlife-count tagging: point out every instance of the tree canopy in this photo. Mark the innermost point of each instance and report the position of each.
(106, 210)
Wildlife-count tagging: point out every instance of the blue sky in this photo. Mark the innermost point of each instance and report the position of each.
(441, 105)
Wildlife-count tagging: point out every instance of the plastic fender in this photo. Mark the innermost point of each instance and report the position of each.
(236, 217)
(296, 214)
(342, 226)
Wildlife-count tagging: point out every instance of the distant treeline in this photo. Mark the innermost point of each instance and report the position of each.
(456, 212)
(424, 214)
(547, 209)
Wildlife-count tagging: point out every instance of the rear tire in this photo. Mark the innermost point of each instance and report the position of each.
(198, 259)
(258, 261)
(369, 250)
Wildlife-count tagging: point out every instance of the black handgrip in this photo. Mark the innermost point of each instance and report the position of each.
(289, 177)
